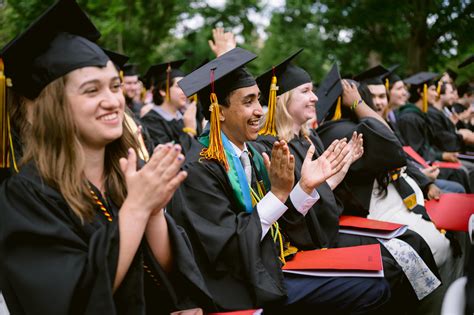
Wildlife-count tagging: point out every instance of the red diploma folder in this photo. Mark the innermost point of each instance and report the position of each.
(244, 312)
(452, 211)
(420, 160)
(355, 261)
(368, 227)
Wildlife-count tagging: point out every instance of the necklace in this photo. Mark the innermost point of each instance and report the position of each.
(101, 205)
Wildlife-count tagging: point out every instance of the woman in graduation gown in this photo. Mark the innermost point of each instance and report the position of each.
(287, 119)
(79, 221)
(172, 118)
(375, 184)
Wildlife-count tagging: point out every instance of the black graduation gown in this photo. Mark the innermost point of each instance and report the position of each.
(163, 131)
(444, 131)
(416, 132)
(241, 271)
(52, 263)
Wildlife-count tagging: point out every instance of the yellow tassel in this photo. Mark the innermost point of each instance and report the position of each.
(121, 75)
(168, 83)
(194, 98)
(387, 84)
(215, 150)
(4, 128)
(438, 89)
(270, 128)
(337, 112)
(425, 98)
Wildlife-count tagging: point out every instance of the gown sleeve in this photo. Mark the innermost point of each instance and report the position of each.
(52, 263)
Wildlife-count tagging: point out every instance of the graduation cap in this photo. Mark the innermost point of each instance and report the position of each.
(328, 93)
(276, 81)
(422, 79)
(165, 71)
(130, 69)
(119, 60)
(466, 62)
(212, 82)
(390, 77)
(372, 76)
(59, 41)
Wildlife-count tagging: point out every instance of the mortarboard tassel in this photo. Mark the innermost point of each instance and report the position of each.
(438, 89)
(121, 75)
(425, 98)
(4, 123)
(269, 128)
(215, 150)
(337, 112)
(194, 98)
(387, 84)
(168, 83)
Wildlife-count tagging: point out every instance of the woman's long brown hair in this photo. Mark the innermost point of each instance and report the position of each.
(53, 144)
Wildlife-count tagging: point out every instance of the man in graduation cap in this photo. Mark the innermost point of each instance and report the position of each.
(172, 117)
(230, 203)
(131, 88)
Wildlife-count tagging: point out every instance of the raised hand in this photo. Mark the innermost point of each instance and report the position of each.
(152, 187)
(189, 116)
(316, 172)
(350, 94)
(357, 143)
(280, 170)
(222, 41)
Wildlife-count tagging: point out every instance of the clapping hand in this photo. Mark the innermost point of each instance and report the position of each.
(280, 170)
(316, 172)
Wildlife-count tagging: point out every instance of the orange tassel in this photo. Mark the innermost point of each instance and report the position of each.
(425, 98)
(337, 112)
(387, 84)
(4, 123)
(270, 128)
(215, 150)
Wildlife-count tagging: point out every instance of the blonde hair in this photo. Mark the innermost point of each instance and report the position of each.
(283, 120)
(55, 148)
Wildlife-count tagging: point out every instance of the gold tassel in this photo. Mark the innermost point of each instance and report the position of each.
(337, 112)
(194, 98)
(387, 84)
(269, 128)
(438, 90)
(425, 98)
(4, 126)
(215, 150)
(168, 83)
(121, 75)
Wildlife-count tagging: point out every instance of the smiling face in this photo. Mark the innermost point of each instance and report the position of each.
(177, 97)
(240, 120)
(398, 95)
(97, 104)
(301, 105)
(379, 97)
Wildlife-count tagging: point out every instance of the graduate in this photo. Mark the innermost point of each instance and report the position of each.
(417, 132)
(172, 117)
(232, 198)
(291, 105)
(131, 87)
(79, 222)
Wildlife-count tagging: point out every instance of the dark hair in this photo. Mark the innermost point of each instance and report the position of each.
(158, 99)
(444, 85)
(366, 95)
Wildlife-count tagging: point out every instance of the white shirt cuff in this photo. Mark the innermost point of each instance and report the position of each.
(270, 209)
(301, 200)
